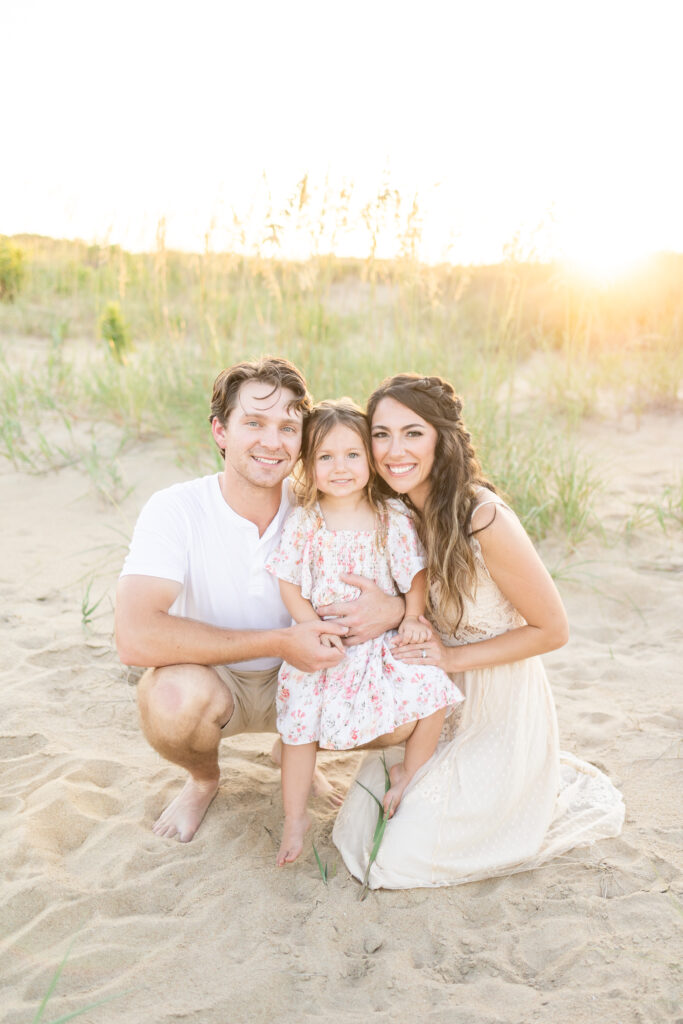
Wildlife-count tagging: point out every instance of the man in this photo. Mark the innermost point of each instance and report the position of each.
(195, 604)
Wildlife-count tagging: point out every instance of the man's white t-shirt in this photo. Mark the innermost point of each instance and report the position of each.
(188, 533)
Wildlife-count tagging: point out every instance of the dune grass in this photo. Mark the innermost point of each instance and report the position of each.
(135, 340)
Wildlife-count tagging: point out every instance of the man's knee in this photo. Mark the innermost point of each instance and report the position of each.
(182, 695)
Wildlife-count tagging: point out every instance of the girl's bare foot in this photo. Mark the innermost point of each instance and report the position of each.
(292, 839)
(399, 780)
(320, 786)
(184, 815)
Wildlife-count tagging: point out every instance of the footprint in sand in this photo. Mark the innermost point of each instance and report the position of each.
(12, 747)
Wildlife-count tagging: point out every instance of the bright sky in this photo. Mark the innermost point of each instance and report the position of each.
(502, 115)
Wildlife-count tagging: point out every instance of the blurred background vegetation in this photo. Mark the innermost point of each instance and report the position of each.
(93, 333)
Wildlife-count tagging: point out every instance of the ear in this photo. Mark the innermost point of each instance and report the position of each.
(218, 432)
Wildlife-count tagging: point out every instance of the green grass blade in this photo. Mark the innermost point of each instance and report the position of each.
(53, 983)
(321, 869)
(380, 827)
(377, 801)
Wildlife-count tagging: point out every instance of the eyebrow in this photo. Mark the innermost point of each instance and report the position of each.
(408, 426)
(251, 414)
(322, 450)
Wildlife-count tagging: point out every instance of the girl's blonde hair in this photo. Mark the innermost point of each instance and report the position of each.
(323, 417)
(444, 524)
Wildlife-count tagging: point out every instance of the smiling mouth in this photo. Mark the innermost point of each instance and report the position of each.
(401, 470)
(264, 461)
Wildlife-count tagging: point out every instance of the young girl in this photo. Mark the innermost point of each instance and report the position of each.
(342, 525)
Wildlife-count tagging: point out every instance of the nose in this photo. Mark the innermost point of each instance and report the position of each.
(270, 437)
(395, 445)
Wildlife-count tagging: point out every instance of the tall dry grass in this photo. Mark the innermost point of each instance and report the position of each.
(533, 349)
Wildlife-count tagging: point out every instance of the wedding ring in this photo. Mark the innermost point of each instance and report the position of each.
(424, 653)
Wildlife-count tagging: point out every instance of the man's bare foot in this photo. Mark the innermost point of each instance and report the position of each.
(399, 780)
(293, 839)
(183, 816)
(320, 786)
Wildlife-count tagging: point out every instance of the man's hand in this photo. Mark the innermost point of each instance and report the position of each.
(302, 645)
(370, 615)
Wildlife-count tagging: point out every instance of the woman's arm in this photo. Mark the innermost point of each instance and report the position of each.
(519, 573)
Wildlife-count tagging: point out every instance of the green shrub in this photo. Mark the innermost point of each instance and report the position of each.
(12, 270)
(115, 331)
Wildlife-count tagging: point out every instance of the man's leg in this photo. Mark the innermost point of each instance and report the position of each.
(182, 708)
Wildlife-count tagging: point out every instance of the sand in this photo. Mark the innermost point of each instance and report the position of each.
(211, 932)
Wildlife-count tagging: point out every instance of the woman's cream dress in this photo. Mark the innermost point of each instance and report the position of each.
(498, 796)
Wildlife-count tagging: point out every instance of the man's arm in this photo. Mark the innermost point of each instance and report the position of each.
(147, 635)
(370, 615)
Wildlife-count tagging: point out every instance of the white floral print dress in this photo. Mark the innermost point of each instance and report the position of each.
(369, 692)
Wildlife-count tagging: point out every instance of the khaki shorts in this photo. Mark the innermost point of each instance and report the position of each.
(253, 694)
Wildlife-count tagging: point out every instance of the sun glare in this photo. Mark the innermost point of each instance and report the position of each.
(605, 264)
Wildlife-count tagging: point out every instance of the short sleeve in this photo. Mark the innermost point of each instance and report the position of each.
(160, 543)
(406, 554)
(291, 559)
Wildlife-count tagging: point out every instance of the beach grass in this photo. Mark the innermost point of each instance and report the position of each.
(97, 334)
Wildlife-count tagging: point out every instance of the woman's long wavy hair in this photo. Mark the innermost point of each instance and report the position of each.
(317, 425)
(444, 524)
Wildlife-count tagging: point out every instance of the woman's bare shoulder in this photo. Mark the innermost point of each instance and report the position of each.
(486, 506)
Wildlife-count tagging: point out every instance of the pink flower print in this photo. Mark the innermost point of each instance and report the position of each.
(284, 693)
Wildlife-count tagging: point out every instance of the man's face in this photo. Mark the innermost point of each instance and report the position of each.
(262, 436)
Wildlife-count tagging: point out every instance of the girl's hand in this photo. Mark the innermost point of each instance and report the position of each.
(332, 640)
(414, 630)
(429, 652)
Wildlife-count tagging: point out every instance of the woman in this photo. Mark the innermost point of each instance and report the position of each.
(497, 796)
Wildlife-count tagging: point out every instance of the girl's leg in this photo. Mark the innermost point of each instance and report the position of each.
(320, 787)
(298, 765)
(420, 746)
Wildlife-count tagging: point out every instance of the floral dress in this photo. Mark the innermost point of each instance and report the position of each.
(369, 692)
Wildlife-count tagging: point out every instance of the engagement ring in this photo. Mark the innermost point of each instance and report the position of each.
(424, 653)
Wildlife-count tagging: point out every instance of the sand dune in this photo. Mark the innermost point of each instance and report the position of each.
(211, 932)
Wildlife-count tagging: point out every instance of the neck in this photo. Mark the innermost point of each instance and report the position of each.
(419, 494)
(257, 504)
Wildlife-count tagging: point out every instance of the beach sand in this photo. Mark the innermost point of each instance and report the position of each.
(211, 932)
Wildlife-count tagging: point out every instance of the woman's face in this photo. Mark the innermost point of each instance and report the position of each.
(403, 446)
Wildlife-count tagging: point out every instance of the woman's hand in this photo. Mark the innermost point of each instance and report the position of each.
(426, 652)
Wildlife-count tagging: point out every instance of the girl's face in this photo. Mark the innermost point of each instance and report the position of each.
(341, 463)
(403, 447)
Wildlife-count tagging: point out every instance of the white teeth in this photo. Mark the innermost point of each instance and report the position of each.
(267, 462)
(400, 470)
